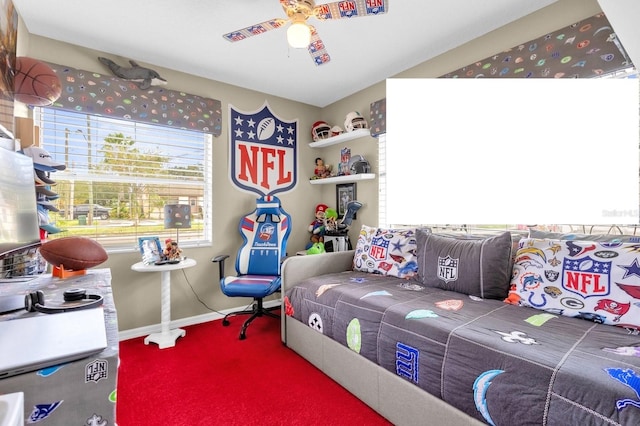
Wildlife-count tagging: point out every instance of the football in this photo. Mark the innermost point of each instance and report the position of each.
(74, 253)
(266, 128)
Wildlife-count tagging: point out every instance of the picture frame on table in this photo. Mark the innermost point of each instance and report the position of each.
(345, 193)
(150, 249)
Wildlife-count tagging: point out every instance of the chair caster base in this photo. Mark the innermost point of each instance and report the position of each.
(257, 310)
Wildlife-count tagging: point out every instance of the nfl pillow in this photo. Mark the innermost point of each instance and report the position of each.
(386, 252)
(594, 280)
(478, 267)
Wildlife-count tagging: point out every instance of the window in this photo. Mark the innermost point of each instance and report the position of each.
(405, 154)
(127, 172)
(482, 228)
(382, 180)
(383, 221)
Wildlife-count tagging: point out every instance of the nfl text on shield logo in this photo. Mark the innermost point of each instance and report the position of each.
(447, 268)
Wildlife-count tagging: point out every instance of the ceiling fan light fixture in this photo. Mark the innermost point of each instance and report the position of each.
(299, 35)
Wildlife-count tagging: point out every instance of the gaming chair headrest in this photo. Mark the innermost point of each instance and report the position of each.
(268, 205)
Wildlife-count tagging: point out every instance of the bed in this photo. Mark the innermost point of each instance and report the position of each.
(413, 352)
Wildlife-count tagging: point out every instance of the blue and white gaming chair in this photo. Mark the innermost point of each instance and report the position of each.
(265, 232)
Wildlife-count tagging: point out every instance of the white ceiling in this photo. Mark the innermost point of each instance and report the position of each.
(186, 36)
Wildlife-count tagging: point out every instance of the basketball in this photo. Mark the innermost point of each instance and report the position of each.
(35, 83)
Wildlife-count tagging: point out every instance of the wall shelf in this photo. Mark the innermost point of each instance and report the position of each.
(343, 137)
(342, 179)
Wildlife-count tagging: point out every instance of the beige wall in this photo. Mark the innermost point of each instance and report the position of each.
(137, 295)
(557, 15)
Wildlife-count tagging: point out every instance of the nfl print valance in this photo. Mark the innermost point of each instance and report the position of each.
(586, 49)
(105, 95)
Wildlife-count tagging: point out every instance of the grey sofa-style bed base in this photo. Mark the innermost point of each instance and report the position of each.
(399, 401)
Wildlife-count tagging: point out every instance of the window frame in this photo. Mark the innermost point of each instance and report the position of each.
(143, 160)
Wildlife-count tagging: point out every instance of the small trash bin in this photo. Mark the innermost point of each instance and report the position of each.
(82, 219)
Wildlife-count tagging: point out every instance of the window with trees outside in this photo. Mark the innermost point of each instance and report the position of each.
(384, 221)
(127, 171)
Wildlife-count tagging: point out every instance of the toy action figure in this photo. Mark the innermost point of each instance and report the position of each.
(330, 220)
(321, 171)
(316, 246)
(317, 226)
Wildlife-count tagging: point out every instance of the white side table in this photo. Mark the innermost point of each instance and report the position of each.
(166, 338)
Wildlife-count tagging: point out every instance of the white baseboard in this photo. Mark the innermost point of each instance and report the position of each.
(182, 322)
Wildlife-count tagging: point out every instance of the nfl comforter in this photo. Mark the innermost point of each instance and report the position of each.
(500, 363)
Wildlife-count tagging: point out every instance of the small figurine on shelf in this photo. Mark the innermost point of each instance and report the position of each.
(345, 156)
(321, 171)
(317, 226)
(330, 220)
(171, 250)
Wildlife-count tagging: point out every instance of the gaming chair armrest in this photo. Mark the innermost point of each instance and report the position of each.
(220, 261)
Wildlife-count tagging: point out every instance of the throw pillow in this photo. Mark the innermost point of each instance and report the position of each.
(594, 280)
(478, 267)
(515, 239)
(386, 252)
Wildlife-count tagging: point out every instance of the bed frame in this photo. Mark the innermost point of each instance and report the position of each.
(399, 401)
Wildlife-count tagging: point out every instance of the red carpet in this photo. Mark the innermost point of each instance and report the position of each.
(212, 378)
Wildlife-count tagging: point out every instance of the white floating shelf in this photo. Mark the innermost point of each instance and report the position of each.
(341, 138)
(343, 179)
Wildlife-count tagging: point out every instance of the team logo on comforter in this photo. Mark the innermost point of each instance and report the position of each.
(42, 411)
(629, 378)
(586, 277)
(407, 362)
(448, 268)
(450, 305)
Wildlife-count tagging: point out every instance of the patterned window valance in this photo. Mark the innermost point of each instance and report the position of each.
(585, 49)
(99, 94)
(378, 116)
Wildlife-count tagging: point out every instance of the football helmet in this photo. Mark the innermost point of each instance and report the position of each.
(355, 120)
(358, 164)
(320, 130)
(336, 130)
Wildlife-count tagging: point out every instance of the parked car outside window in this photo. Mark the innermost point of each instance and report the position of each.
(98, 211)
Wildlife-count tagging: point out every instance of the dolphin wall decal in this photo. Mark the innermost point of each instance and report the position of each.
(144, 77)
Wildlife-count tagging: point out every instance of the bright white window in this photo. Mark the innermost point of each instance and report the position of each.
(128, 171)
(382, 181)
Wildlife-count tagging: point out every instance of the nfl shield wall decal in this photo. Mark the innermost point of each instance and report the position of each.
(263, 151)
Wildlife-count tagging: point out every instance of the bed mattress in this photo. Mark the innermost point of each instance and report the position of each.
(499, 363)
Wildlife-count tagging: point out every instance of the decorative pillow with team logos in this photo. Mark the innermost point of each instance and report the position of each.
(478, 267)
(535, 233)
(594, 280)
(386, 252)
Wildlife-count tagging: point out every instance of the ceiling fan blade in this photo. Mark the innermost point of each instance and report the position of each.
(316, 48)
(256, 29)
(350, 9)
(288, 3)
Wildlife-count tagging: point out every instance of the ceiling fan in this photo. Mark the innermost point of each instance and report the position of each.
(300, 34)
